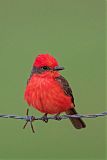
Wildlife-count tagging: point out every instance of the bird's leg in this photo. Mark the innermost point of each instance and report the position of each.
(44, 118)
(30, 119)
(57, 117)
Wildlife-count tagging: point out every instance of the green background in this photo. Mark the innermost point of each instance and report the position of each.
(74, 32)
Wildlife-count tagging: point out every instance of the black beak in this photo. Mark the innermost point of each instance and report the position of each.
(58, 68)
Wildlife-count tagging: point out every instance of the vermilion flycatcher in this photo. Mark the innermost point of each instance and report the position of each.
(48, 91)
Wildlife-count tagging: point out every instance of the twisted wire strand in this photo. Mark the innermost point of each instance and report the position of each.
(29, 118)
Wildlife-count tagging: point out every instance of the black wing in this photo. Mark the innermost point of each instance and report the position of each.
(65, 85)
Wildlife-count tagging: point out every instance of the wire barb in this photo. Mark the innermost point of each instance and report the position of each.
(29, 119)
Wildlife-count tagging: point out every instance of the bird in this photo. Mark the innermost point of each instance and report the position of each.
(49, 92)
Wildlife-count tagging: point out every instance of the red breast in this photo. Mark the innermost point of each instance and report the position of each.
(46, 95)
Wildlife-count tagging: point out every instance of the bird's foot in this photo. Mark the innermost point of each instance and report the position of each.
(29, 119)
(44, 118)
(57, 117)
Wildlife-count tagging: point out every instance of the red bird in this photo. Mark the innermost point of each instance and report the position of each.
(48, 91)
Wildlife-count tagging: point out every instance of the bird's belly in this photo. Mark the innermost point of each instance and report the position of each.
(47, 96)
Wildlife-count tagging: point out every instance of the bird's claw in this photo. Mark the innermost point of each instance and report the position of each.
(29, 119)
(44, 118)
(57, 117)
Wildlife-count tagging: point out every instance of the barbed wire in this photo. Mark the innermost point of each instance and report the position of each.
(45, 118)
(28, 118)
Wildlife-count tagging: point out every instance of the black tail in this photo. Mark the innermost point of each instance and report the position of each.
(78, 123)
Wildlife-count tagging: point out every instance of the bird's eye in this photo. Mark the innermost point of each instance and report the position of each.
(46, 68)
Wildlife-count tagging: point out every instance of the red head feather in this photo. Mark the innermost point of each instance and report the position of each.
(45, 60)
